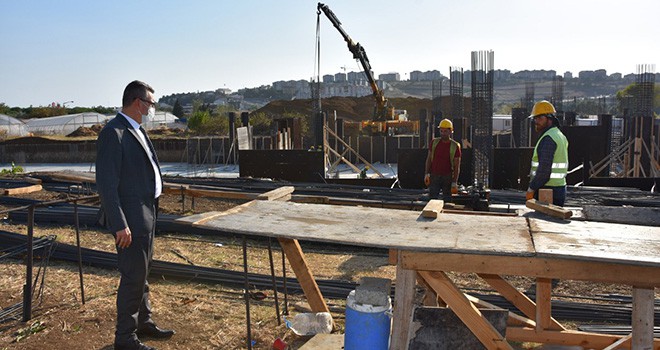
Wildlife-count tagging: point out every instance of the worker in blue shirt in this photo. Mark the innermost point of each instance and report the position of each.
(550, 158)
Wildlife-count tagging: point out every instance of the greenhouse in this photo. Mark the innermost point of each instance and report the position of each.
(65, 124)
(12, 127)
(163, 119)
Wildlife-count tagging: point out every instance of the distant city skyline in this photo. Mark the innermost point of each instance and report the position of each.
(86, 52)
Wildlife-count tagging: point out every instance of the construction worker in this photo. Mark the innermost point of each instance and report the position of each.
(443, 163)
(550, 159)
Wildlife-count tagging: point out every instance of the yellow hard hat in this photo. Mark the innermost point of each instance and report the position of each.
(543, 108)
(446, 124)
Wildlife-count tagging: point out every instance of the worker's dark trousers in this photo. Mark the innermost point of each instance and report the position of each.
(440, 182)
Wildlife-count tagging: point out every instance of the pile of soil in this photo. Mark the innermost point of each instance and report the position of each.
(362, 108)
(83, 131)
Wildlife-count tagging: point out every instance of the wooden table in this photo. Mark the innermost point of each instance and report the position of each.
(490, 246)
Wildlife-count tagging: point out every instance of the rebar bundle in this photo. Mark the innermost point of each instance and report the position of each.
(482, 116)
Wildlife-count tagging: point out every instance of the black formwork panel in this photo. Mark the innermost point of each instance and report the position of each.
(289, 165)
(410, 167)
(364, 148)
(378, 149)
(391, 150)
(586, 145)
(511, 168)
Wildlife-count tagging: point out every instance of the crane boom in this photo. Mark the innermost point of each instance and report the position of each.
(383, 111)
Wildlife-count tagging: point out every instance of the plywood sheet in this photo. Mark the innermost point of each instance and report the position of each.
(377, 227)
(597, 241)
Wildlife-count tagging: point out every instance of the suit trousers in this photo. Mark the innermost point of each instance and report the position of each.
(133, 306)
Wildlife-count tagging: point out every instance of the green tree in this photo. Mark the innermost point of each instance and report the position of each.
(198, 121)
(625, 97)
(177, 110)
(261, 124)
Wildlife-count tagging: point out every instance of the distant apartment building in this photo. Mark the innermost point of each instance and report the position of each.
(535, 74)
(389, 77)
(328, 78)
(501, 74)
(340, 77)
(357, 88)
(599, 74)
(356, 76)
(568, 75)
(425, 76)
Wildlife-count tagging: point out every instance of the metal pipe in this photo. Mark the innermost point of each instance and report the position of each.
(272, 275)
(247, 294)
(27, 288)
(80, 271)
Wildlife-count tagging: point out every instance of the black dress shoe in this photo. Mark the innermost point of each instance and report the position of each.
(134, 345)
(152, 331)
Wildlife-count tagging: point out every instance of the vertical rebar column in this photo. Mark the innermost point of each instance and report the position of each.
(527, 104)
(457, 107)
(643, 94)
(557, 99)
(482, 116)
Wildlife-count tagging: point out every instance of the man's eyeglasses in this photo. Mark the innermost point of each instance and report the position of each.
(149, 102)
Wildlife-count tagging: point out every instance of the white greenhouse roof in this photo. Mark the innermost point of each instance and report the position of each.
(65, 124)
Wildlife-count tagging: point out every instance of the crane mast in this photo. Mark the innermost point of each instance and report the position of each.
(383, 111)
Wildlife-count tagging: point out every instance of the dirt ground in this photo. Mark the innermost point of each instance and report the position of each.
(205, 316)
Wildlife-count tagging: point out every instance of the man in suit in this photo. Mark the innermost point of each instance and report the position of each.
(129, 182)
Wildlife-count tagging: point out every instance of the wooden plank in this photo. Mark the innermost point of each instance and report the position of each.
(377, 227)
(576, 338)
(304, 275)
(433, 208)
(513, 320)
(596, 241)
(197, 192)
(203, 218)
(549, 209)
(623, 215)
(545, 195)
(543, 304)
(623, 342)
(517, 298)
(22, 190)
(392, 256)
(404, 295)
(324, 342)
(642, 318)
(277, 194)
(631, 274)
(465, 310)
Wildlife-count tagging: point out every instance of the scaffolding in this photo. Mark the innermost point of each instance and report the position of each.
(638, 155)
(482, 117)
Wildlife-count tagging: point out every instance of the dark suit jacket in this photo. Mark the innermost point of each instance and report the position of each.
(125, 179)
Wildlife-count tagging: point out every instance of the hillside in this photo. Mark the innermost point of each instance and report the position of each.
(355, 108)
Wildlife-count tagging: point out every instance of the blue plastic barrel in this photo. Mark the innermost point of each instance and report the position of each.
(367, 326)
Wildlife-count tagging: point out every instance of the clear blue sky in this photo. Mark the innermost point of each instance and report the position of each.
(87, 51)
